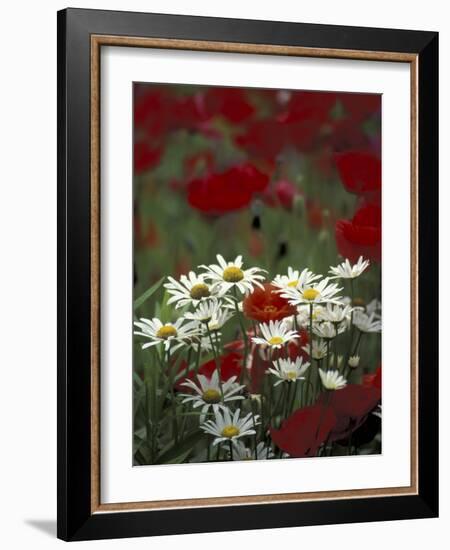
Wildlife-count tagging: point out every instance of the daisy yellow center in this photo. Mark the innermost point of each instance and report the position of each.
(166, 332)
(293, 284)
(232, 274)
(199, 291)
(230, 431)
(275, 340)
(211, 396)
(310, 294)
(292, 375)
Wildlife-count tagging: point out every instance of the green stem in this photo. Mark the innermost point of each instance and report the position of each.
(217, 362)
(328, 353)
(188, 361)
(288, 398)
(197, 362)
(148, 430)
(172, 392)
(335, 347)
(244, 332)
(231, 450)
(310, 347)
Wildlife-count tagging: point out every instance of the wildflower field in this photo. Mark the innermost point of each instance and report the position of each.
(257, 274)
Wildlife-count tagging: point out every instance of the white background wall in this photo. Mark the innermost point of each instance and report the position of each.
(28, 270)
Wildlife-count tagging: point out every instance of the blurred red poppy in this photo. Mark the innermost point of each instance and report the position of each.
(373, 379)
(294, 348)
(228, 191)
(145, 157)
(351, 406)
(231, 103)
(285, 192)
(360, 236)
(360, 106)
(230, 365)
(266, 305)
(314, 214)
(151, 111)
(304, 431)
(256, 244)
(263, 138)
(360, 171)
(309, 106)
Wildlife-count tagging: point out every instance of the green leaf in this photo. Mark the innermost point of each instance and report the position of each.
(147, 294)
(178, 453)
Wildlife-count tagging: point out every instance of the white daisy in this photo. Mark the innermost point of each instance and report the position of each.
(303, 315)
(374, 307)
(241, 452)
(275, 334)
(208, 394)
(328, 330)
(177, 333)
(346, 270)
(335, 313)
(336, 360)
(319, 349)
(353, 361)
(204, 342)
(289, 371)
(332, 380)
(205, 311)
(366, 323)
(226, 275)
(295, 279)
(230, 427)
(378, 411)
(219, 318)
(190, 289)
(322, 292)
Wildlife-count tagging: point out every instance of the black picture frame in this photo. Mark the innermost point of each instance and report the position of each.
(75, 518)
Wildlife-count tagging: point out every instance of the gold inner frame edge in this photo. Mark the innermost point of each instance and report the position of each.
(97, 41)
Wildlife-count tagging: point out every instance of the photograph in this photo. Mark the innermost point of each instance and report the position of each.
(257, 313)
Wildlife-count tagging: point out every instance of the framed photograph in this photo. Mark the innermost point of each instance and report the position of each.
(247, 252)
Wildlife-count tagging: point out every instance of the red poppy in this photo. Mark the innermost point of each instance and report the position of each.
(295, 347)
(266, 305)
(351, 406)
(151, 110)
(360, 106)
(304, 431)
(285, 192)
(187, 112)
(360, 172)
(263, 138)
(314, 214)
(373, 379)
(230, 365)
(228, 191)
(256, 368)
(256, 244)
(145, 157)
(361, 236)
(309, 107)
(231, 103)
